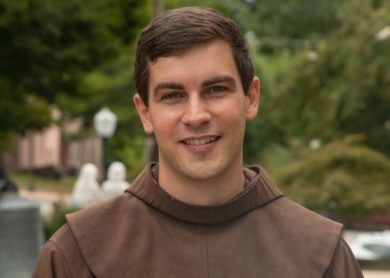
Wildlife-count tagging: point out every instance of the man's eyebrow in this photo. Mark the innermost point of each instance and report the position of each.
(224, 78)
(168, 85)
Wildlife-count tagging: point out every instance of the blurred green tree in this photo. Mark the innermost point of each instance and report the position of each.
(334, 90)
(343, 87)
(344, 179)
(283, 23)
(277, 33)
(47, 49)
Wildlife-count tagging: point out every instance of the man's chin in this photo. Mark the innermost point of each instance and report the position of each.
(202, 170)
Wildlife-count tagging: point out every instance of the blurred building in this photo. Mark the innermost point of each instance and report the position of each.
(54, 151)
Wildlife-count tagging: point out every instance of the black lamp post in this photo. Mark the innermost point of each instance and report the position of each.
(105, 124)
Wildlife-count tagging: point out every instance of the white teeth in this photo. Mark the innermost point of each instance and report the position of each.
(201, 141)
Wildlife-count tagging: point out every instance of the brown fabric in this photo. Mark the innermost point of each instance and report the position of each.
(258, 192)
(147, 233)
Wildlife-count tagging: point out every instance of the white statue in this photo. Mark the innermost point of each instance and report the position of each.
(86, 190)
(116, 183)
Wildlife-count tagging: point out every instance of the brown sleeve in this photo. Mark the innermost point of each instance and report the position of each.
(61, 257)
(52, 263)
(343, 263)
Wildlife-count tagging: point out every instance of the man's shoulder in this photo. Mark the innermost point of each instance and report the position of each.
(82, 224)
(103, 211)
(104, 219)
(293, 220)
(62, 257)
(294, 212)
(62, 237)
(298, 236)
(96, 234)
(286, 213)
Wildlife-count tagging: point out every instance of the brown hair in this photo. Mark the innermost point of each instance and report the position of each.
(183, 28)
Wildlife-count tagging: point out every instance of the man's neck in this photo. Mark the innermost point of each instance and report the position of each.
(202, 192)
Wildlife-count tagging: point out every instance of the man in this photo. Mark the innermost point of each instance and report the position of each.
(197, 212)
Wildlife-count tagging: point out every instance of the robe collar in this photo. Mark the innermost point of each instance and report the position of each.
(258, 192)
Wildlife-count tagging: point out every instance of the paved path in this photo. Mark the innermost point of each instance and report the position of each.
(46, 196)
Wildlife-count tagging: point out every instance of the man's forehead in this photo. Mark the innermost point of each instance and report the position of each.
(178, 52)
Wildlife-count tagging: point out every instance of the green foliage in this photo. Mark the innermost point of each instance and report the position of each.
(344, 88)
(274, 44)
(266, 130)
(49, 47)
(131, 151)
(19, 111)
(344, 179)
(291, 19)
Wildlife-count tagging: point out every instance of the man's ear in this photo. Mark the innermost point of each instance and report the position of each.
(143, 112)
(253, 98)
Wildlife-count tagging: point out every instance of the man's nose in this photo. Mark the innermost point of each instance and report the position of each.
(196, 112)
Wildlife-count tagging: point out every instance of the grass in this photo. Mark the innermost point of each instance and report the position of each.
(34, 182)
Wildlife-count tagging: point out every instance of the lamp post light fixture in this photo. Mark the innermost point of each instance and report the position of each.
(105, 125)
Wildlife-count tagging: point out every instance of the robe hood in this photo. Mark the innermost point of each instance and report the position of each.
(259, 191)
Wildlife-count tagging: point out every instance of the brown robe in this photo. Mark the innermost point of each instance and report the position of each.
(147, 233)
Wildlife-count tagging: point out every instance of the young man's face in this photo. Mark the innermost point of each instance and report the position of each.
(197, 111)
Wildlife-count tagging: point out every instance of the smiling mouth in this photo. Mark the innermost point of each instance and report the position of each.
(201, 141)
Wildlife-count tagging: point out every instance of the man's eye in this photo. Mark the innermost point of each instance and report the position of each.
(172, 97)
(216, 89)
